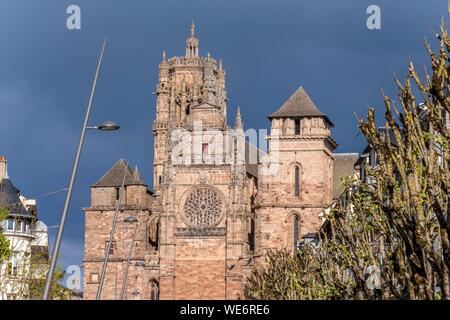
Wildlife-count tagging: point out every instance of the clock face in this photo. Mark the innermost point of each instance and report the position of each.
(203, 207)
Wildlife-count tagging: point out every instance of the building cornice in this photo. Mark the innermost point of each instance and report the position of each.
(304, 137)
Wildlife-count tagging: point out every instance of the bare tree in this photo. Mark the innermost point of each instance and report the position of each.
(387, 238)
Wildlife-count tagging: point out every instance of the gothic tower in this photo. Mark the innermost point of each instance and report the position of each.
(198, 181)
(296, 176)
(190, 89)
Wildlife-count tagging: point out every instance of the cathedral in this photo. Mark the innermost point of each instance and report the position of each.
(218, 204)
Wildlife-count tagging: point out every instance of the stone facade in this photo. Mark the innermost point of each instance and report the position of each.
(133, 200)
(213, 212)
(296, 176)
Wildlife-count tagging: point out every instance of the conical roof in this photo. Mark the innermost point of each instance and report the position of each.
(238, 122)
(136, 179)
(114, 177)
(299, 105)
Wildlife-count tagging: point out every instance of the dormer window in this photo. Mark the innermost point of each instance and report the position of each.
(297, 126)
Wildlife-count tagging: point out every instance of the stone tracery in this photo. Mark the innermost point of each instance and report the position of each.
(203, 207)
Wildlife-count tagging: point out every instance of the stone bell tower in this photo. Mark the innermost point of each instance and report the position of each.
(199, 186)
(296, 176)
(190, 89)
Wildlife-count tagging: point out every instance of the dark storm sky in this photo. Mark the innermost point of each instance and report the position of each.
(269, 49)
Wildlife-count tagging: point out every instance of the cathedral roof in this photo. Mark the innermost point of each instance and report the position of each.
(114, 177)
(252, 158)
(298, 105)
(343, 166)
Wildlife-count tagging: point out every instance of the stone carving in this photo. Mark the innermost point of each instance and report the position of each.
(202, 178)
(203, 207)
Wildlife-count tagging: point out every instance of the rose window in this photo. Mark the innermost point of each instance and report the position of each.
(203, 207)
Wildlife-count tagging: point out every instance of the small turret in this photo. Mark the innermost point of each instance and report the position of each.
(192, 44)
(238, 122)
(136, 179)
(106, 191)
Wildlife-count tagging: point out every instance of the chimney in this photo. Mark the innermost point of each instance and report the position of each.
(3, 168)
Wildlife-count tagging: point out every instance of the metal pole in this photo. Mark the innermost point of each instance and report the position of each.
(111, 235)
(55, 253)
(125, 277)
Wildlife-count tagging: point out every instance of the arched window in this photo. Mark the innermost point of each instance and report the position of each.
(296, 230)
(154, 290)
(297, 181)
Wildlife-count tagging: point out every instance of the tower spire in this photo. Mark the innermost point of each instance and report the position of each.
(193, 29)
(238, 122)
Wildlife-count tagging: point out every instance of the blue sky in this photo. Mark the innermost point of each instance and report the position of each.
(269, 49)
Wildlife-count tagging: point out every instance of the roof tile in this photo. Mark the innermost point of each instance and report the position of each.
(298, 105)
(114, 177)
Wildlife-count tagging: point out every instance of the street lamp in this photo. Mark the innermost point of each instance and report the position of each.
(125, 276)
(105, 126)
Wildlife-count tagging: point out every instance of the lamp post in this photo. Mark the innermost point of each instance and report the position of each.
(125, 276)
(107, 126)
